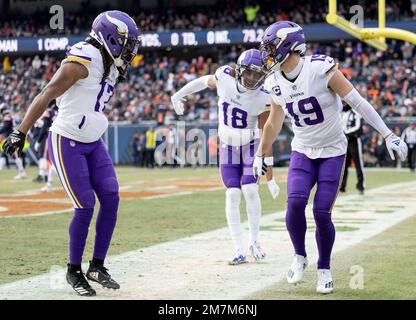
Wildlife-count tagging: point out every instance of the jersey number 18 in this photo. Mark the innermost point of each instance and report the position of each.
(238, 116)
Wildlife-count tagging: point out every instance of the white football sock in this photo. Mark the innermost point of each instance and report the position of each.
(51, 173)
(232, 211)
(19, 164)
(42, 167)
(253, 208)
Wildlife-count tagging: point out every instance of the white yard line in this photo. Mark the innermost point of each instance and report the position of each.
(194, 267)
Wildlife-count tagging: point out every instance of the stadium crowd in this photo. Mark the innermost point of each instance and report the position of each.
(225, 14)
(387, 80)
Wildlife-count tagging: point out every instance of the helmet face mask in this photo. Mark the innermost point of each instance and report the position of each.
(279, 41)
(250, 77)
(130, 50)
(249, 72)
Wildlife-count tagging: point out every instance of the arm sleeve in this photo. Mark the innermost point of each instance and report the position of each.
(359, 104)
(192, 87)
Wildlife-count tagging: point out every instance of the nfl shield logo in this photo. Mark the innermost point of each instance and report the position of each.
(72, 143)
(294, 87)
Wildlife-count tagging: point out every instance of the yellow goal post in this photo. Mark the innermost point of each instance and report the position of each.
(375, 37)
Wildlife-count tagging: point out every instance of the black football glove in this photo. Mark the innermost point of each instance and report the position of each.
(14, 142)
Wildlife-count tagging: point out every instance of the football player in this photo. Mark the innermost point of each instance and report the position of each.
(309, 90)
(40, 136)
(6, 128)
(243, 108)
(82, 87)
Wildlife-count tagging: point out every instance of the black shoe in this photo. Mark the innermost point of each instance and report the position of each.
(38, 179)
(341, 190)
(78, 282)
(99, 274)
(361, 192)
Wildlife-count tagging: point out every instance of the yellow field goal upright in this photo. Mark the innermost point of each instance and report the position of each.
(375, 37)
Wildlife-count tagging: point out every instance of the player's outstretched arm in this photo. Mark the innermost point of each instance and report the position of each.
(271, 129)
(64, 78)
(193, 86)
(350, 95)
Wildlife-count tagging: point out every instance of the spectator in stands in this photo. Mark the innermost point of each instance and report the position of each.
(139, 149)
(251, 12)
(150, 147)
(409, 136)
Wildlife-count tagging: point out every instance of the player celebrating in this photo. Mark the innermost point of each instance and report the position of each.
(82, 86)
(242, 104)
(309, 90)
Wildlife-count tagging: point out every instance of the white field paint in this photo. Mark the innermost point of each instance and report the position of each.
(195, 267)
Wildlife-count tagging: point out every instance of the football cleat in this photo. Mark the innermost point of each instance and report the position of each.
(100, 275)
(38, 179)
(47, 188)
(256, 251)
(20, 175)
(325, 284)
(78, 282)
(297, 269)
(238, 258)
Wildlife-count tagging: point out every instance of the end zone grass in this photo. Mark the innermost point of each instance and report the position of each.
(31, 245)
(388, 262)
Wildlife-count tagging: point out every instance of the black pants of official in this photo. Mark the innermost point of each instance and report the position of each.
(354, 152)
(411, 156)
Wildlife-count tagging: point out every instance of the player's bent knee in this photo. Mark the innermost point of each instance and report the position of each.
(296, 204)
(108, 186)
(233, 196)
(322, 218)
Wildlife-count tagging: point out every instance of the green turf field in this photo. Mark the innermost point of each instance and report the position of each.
(30, 245)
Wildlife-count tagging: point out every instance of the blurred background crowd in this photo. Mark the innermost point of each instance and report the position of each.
(225, 14)
(386, 79)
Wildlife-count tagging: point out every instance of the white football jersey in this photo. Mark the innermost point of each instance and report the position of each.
(80, 115)
(315, 110)
(238, 111)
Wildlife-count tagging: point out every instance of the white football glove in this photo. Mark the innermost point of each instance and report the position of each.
(178, 105)
(273, 188)
(259, 166)
(394, 143)
(36, 146)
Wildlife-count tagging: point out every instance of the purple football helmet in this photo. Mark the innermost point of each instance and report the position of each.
(249, 71)
(118, 33)
(279, 40)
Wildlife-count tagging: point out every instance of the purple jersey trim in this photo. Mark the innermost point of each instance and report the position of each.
(82, 123)
(331, 68)
(79, 56)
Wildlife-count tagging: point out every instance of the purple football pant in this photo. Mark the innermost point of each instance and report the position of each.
(303, 174)
(85, 169)
(236, 164)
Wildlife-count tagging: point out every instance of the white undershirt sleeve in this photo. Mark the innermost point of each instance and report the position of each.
(361, 105)
(196, 85)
